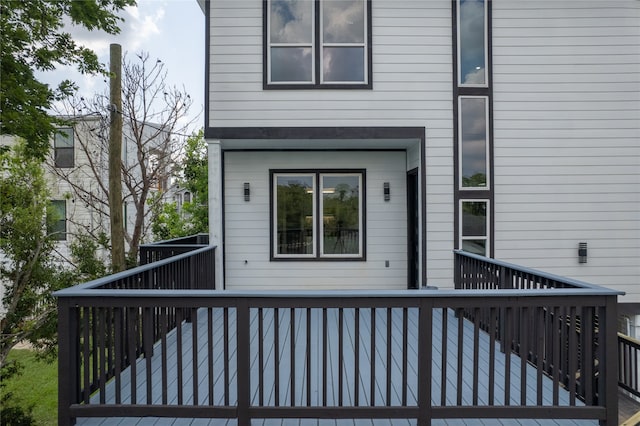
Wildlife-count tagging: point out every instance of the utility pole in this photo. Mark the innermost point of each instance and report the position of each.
(115, 160)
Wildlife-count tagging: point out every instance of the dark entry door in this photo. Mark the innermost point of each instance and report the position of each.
(413, 247)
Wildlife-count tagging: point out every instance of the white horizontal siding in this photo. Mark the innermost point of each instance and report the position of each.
(567, 138)
(412, 72)
(247, 224)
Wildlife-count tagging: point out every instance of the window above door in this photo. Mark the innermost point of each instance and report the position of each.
(323, 44)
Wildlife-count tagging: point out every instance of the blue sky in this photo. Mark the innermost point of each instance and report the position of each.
(169, 30)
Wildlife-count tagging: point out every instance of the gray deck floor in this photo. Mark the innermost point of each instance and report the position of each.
(333, 372)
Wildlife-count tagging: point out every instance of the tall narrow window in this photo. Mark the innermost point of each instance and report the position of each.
(472, 43)
(474, 226)
(317, 215)
(473, 128)
(321, 43)
(58, 220)
(63, 147)
(473, 138)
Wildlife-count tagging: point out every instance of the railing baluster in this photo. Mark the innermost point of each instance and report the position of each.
(539, 355)
(308, 352)
(324, 356)
(557, 342)
(508, 313)
(340, 355)
(131, 334)
(443, 361)
(523, 351)
(210, 355)
(148, 350)
(86, 354)
(194, 350)
(573, 344)
(119, 336)
(227, 376)
(476, 354)
(389, 365)
(179, 381)
(164, 319)
(260, 358)
(292, 357)
(460, 349)
(356, 367)
(276, 355)
(372, 375)
(405, 351)
(493, 325)
(101, 331)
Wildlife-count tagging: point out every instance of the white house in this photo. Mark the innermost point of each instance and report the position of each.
(78, 174)
(354, 144)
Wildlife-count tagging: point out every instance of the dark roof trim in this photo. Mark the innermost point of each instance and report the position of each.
(314, 133)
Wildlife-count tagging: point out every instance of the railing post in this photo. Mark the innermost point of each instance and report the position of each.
(425, 357)
(243, 360)
(68, 362)
(609, 361)
(456, 271)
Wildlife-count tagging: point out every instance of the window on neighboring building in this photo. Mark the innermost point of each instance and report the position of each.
(318, 214)
(58, 221)
(187, 197)
(322, 43)
(474, 226)
(63, 147)
(473, 141)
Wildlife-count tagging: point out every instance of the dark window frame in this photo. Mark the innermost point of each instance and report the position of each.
(318, 257)
(57, 149)
(473, 193)
(317, 52)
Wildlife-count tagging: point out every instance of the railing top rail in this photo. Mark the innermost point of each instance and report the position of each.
(332, 294)
(82, 289)
(176, 241)
(629, 340)
(531, 271)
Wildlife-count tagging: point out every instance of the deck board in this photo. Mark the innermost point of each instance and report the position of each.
(333, 370)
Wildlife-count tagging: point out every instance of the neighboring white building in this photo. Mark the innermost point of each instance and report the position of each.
(508, 128)
(80, 154)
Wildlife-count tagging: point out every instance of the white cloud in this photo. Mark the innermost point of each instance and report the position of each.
(475, 77)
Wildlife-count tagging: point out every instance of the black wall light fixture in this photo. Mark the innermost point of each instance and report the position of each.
(387, 191)
(247, 191)
(582, 252)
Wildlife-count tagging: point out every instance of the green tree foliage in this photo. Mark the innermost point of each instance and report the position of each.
(167, 221)
(33, 39)
(84, 252)
(29, 271)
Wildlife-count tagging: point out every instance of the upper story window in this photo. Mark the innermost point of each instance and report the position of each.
(63, 147)
(472, 43)
(317, 44)
(473, 136)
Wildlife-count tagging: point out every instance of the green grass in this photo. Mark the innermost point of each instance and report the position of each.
(37, 386)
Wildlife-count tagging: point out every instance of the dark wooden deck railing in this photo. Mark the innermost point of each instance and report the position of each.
(629, 364)
(229, 344)
(168, 248)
